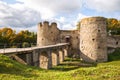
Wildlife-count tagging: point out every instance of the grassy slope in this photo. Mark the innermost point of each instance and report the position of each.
(69, 70)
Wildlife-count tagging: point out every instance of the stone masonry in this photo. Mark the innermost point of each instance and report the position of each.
(49, 34)
(93, 39)
(53, 45)
(90, 43)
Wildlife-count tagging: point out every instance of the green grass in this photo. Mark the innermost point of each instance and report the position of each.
(69, 70)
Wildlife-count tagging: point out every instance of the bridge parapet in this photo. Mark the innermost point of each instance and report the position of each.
(19, 50)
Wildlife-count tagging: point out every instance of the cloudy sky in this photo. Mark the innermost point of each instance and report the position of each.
(26, 14)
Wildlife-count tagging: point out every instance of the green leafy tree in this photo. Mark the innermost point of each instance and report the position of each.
(10, 37)
(113, 26)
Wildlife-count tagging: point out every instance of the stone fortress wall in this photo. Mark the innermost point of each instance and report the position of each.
(90, 42)
(71, 36)
(49, 34)
(113, 41)
(93, 39)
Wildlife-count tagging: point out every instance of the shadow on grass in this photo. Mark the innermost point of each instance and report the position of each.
(72, 65)
(17, 72)
(8, 66)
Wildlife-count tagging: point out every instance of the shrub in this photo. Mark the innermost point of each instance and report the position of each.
(114, 56)
(25, 44)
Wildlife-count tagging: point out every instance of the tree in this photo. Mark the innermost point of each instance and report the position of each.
(113, 26)
(10, 37)
(6, 36)
(25, 37)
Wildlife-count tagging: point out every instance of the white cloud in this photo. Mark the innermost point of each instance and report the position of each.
(68, 27)
(27, 13)
(69, 23)
(65, 23)
(61, 19)
(81, 16)
(103, 5)
(50, 8)
(17, 15)
(66, 13)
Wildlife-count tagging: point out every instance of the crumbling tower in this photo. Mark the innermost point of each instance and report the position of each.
(93, 39)
(47, 34)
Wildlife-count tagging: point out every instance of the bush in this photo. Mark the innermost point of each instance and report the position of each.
(114, 56)
(25, 44)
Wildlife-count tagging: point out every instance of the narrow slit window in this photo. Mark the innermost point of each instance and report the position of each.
(93, 39)
(98, 47)
(98, 30)
(116, 43)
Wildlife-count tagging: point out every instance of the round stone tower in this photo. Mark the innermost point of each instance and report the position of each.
(93, 39)
(47, 34)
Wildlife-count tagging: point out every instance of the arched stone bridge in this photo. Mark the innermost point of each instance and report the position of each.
(44, 57)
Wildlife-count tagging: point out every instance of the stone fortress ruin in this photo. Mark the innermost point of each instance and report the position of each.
(90, 43)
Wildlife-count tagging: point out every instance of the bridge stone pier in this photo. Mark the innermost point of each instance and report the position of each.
(61, 55)
(66, 51)
(36, 57)
(55, 57)
(44, 57)
(29, 59)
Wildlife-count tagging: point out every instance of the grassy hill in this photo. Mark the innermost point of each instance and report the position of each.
(69, 70)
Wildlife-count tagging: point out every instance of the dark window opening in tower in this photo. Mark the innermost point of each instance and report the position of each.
(67, 39)
(93, 39)
(98, 30)
(116, 43)
(98, 47)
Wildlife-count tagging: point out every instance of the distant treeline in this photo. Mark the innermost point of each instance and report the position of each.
(24, 38)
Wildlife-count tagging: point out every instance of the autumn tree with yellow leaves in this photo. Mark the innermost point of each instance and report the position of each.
(10, 37)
